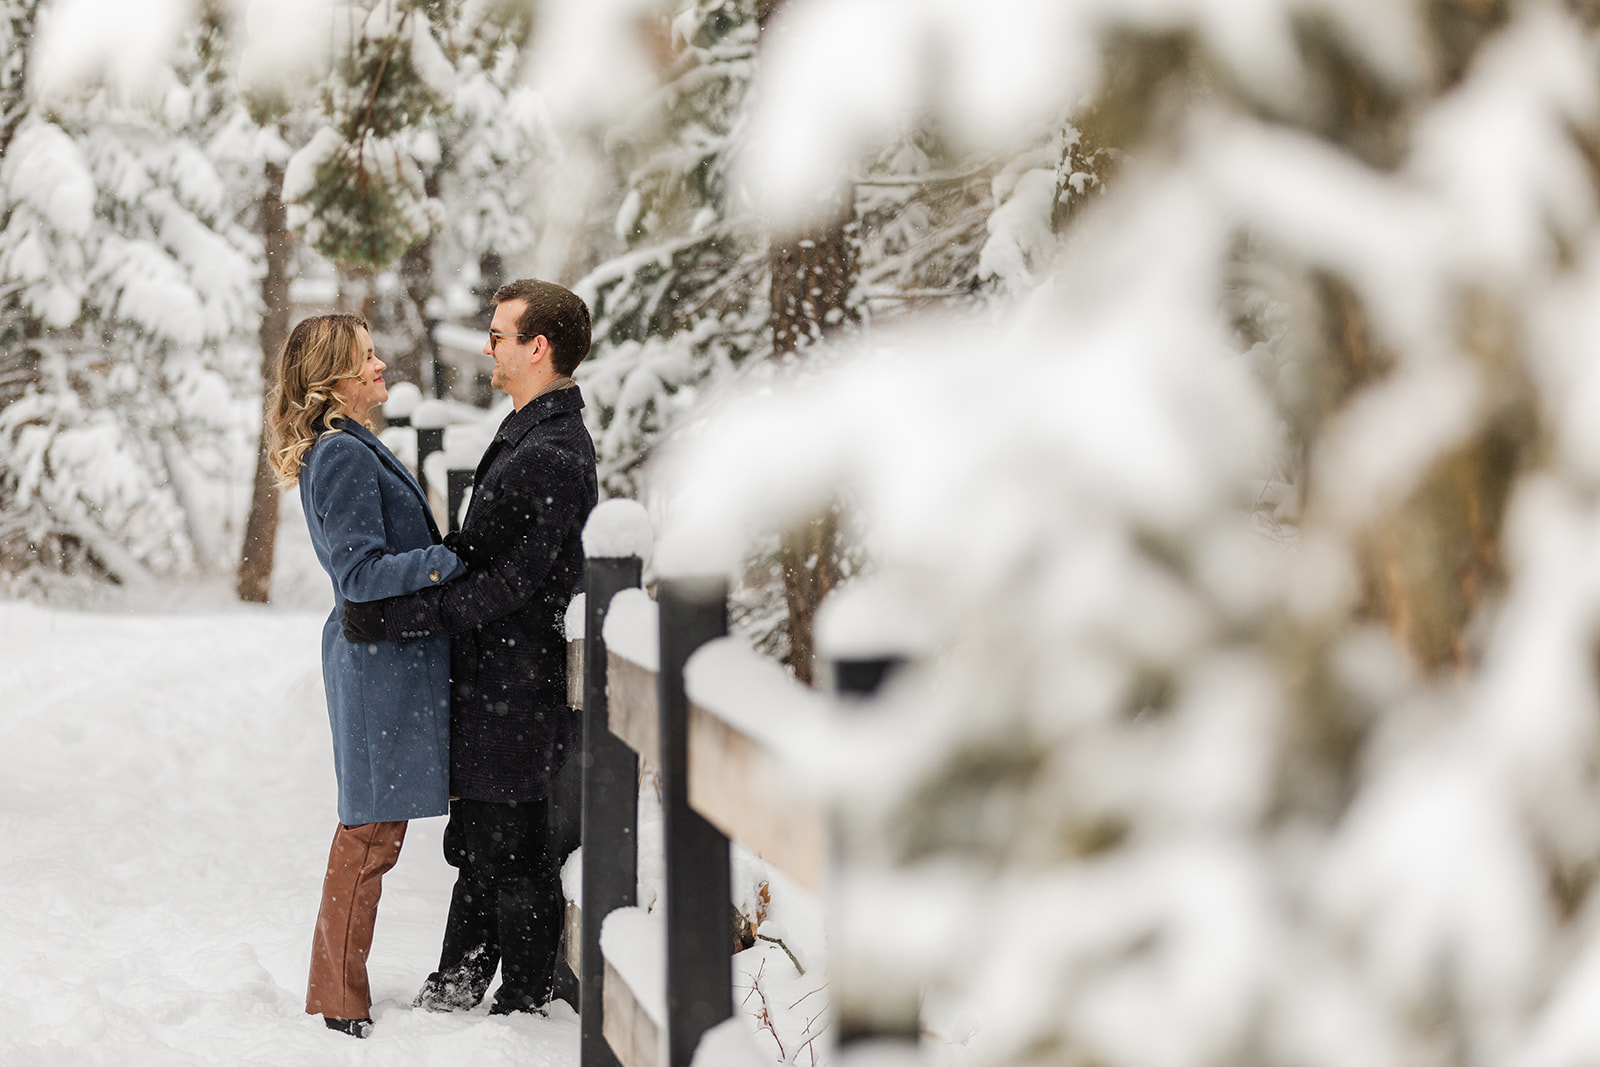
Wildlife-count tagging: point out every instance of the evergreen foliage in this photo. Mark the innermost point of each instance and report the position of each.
(356, 191)
(1196, 766)
(684, 305)
(126, 284)
(494, 143)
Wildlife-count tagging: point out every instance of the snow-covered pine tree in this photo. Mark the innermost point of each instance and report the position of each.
(691, 300)
(17, 19)
(922, 212)
(684, 305)
(355, 190)
(1198, 772)
(494, 141)
(362, 188)
(416, 167)
(126, 285)
(475, 152)
(813, 296)
(480, 157)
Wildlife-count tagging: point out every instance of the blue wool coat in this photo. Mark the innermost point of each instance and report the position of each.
(388, 704)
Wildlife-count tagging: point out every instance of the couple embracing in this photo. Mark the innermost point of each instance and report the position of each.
(444, 660)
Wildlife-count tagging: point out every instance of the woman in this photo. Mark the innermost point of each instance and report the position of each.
(389, 704)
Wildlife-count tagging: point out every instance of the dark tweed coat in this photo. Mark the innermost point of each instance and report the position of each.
(387, 704)
(510, 727)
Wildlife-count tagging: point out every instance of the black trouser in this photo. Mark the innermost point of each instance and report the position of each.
(505, 909)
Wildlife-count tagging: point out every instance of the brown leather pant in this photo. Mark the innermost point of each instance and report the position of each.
(357, 861)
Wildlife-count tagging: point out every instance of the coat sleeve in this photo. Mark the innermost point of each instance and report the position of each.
(554, 480)
(348, 500)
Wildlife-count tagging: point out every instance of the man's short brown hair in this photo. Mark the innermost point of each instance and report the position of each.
(554, 311)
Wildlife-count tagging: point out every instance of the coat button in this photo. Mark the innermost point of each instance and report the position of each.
(433, 576)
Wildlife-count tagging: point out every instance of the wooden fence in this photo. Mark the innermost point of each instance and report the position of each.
(725, 730)
(659, 681)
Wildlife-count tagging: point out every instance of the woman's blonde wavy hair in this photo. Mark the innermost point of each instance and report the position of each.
(320, 352)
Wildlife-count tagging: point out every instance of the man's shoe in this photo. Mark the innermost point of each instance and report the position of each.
(439, 993)
(353, 1027)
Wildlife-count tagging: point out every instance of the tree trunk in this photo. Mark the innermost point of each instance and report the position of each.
(810, 557)
(1431, 563)
(416, 275)
(813, 279)
(261, 529)
(19, 363)
(14, 72)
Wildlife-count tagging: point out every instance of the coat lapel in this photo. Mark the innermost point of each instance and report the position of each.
(392, 462)
(513, 428)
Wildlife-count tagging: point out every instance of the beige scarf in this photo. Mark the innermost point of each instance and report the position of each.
(562, 382)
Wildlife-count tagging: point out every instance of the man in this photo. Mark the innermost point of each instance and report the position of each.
(510, 727)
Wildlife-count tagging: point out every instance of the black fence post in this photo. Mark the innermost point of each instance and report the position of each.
(435, 364)
(610, 806)
(460, 481)
(892, 1015)
(430, 439)
(698, 905)
(861, 678)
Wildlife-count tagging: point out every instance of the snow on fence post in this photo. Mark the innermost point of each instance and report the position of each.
(429, 417)
(693, 610)
(865, 635)
(615, 541)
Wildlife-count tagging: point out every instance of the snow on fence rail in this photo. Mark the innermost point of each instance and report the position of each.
(727, 731)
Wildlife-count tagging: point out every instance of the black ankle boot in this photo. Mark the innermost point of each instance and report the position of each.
(506, 1002)
(353, 1027)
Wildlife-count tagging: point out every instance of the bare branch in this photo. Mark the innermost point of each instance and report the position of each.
(779, 942)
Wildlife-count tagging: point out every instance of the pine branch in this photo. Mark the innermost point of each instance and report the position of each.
(954, 178)
(377, 83)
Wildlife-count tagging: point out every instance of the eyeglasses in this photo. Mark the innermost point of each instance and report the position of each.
(495, 337)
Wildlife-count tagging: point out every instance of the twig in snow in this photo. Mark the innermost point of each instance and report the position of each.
(812, 1038)
(764, 1018)
(779, 942)
(797, 1003)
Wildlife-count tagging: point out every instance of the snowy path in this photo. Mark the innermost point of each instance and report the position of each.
(166, 803)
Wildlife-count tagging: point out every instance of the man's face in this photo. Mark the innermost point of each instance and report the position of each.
(509, 355)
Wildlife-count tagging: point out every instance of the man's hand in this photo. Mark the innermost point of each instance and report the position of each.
(364, 622)
(505, 521)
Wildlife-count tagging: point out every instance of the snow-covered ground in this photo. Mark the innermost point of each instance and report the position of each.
(166, 803)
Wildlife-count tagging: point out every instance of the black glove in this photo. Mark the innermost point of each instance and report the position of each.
(364, 622)
(505, 521)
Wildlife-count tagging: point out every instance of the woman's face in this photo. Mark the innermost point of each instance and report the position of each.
(368, 390)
